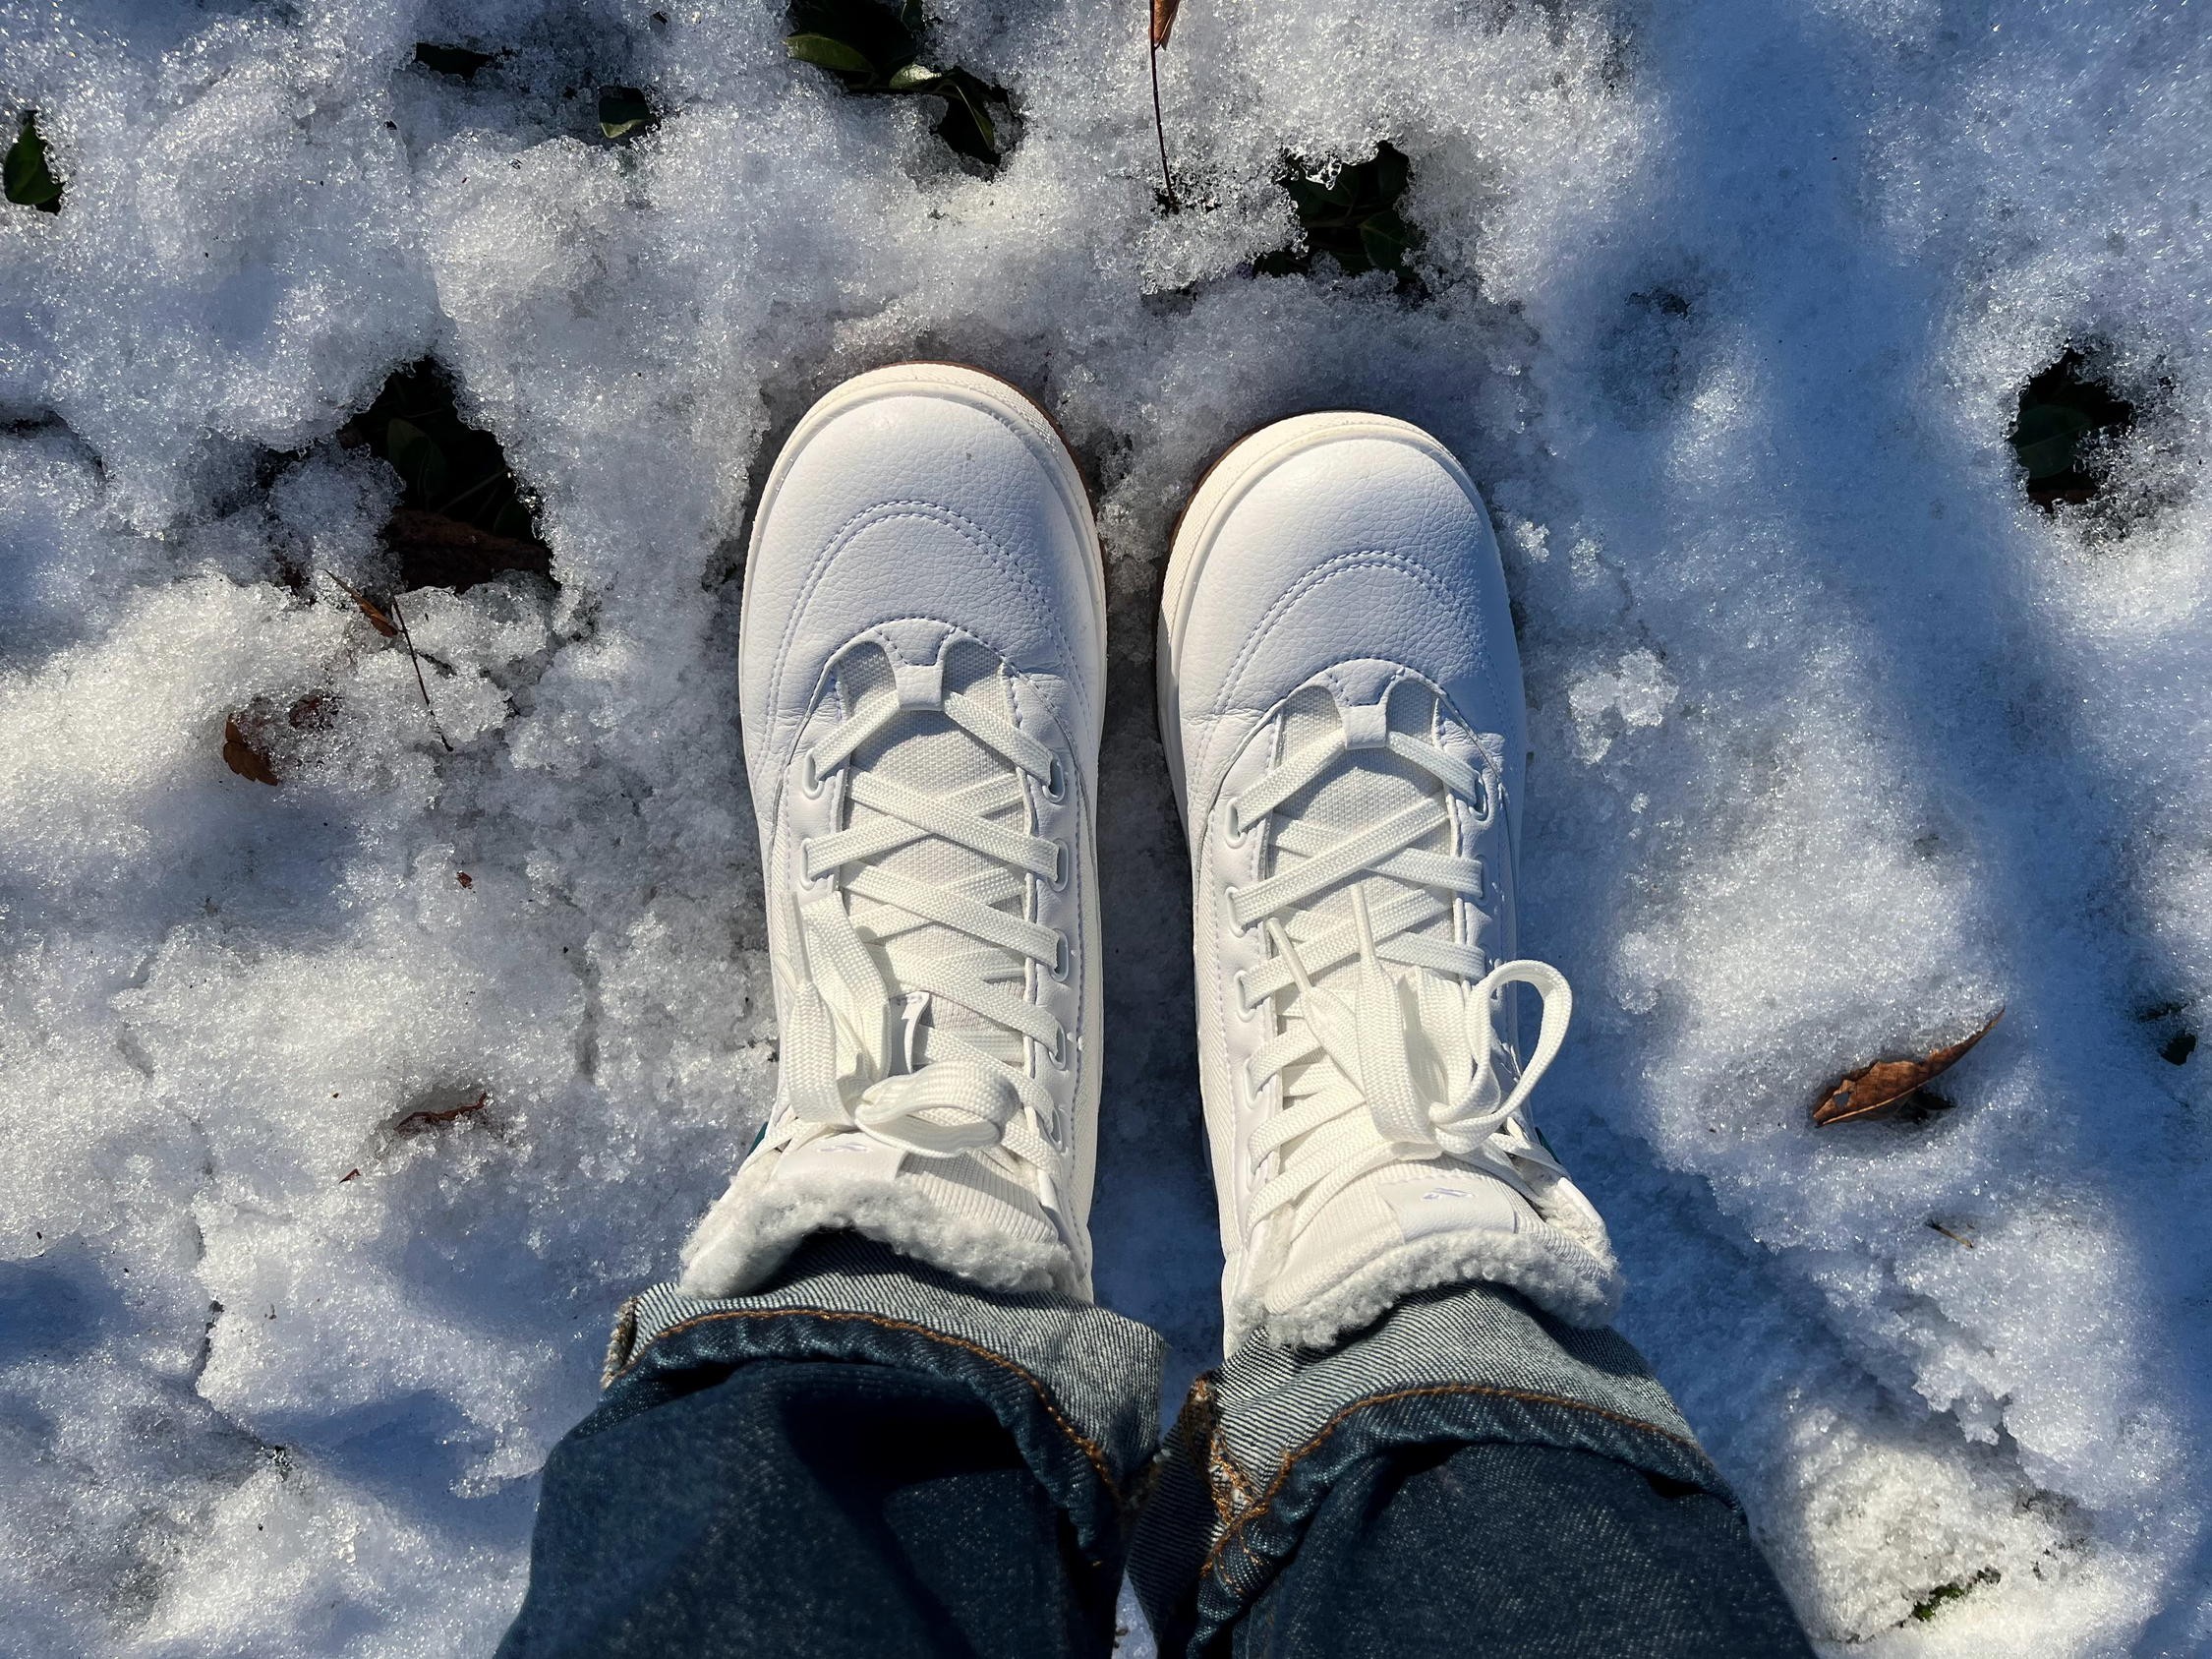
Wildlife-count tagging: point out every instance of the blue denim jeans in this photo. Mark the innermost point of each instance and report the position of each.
(874, 1458)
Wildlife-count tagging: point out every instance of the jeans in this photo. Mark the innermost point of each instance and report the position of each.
(874, 1458)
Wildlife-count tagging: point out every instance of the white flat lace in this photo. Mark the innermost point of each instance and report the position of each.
(1410, 1067)
(860, 1051)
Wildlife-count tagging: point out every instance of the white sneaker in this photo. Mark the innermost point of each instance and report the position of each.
(1340, 697)
(921, 663)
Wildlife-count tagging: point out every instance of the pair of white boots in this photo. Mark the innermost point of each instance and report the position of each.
(922, 667)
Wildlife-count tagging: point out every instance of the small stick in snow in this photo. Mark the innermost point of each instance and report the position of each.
(407, 639)
(1163, 24)
(392, 624)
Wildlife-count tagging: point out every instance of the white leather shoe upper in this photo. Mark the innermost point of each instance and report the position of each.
(922, 670)
(1341, 703)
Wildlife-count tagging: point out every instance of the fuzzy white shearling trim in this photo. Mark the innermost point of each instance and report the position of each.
(752, 1230)
(1548, 1265)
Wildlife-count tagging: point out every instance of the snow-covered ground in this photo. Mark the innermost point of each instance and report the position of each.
(1840, 743)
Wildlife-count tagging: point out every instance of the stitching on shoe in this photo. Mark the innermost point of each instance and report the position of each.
(1087, 1446)
(886, 512)
(1238, 1527)
(1336, 565)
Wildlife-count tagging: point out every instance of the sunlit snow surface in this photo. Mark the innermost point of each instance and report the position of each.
(1838, 742)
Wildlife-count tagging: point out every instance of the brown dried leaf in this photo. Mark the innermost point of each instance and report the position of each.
(464, 878)
(1879, 1089)
(414, 1123)
(382, 624)
(246, 757)
(1163, 20)
(435, 551)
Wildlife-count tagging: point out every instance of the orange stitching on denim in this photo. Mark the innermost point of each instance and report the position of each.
(1275, 1486)
(1198, 1438)
(1088, 1448)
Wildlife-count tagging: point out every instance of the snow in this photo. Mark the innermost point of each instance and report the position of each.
(1839, 744)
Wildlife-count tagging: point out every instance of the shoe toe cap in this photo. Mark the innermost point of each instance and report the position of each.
(1352, 549)
(944, 500)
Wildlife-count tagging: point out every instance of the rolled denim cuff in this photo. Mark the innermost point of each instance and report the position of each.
(1076, 1385)
(1261, 1440)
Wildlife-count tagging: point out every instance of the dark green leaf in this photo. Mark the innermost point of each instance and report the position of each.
(451, 60)
(875, 48)
(623, 110)
(29, 184)
(876, 31)
(2042, 422)
(416, 457)
(2062, 412)
(1392, 173)
(966, 125)
(1352, 217)
(826, 53)
(2048, 458)
(459, 495)
(1384, 247)
(513, 519)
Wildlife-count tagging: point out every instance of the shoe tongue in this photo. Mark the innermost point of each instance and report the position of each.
(1368, 786)
(924, 750)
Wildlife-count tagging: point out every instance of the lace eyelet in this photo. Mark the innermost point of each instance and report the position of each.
(1061, 962)
(1243, 928)
(810, 776)
(1484, 814)
(1239, 832)
(1062, 867)
(1244, 997)
(1055, 786)
(1057, 1054)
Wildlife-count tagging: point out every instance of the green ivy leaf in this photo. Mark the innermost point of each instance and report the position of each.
(1392, 172)
(826, 53)
(966, 124)
(28, 182)
(1383, 237)
(874, 47)
(2047, 435)
(419, 461)
(2063, 411)
(623, 111)
(875, 31)
(1352, 217)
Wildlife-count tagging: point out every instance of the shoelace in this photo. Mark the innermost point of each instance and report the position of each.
(1406, 1068)
(857, 1051)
